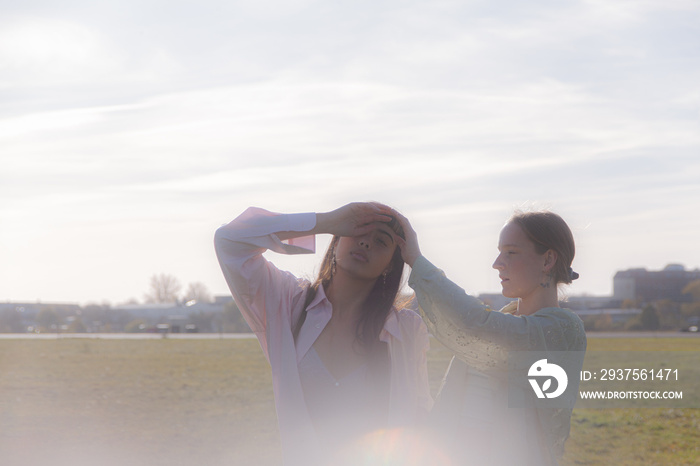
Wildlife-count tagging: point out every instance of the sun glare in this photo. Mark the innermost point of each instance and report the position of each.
(394, 447)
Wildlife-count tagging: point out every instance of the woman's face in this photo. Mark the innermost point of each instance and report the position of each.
(520, 268)
(367, 256)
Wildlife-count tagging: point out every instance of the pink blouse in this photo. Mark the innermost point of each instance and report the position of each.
(271, 300)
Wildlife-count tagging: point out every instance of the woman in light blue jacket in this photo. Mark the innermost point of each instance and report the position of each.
(473, 415)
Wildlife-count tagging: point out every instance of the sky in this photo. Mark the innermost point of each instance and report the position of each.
(130, 131)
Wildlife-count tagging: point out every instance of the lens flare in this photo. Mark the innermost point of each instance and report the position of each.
(394, 447)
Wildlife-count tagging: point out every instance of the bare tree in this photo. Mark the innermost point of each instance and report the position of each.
(197, 291)
(164, 289)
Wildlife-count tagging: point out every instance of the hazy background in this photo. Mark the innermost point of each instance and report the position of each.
(130, 130)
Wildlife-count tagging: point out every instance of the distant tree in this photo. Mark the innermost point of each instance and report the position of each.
(693, 289)
(117, 319)
(634, 324)
(649, 318)
(11, 321)
(164, 289)
(669, 313)
(203, 320)
(197, 291)
(95, 311)
(77, 326)
(233, 319)
(690, 310)
(96, 316)
(47, 319)
(629, 304)
(135, 326)
(603, 322)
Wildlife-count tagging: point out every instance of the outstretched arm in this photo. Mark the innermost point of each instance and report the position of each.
(256, 284)
(476, 334)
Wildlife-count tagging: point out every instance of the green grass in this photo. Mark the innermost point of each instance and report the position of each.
(644, 436)
(209, 402)
(135, 402)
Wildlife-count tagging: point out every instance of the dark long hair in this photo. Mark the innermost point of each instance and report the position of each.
(379, 302)
(376, 309)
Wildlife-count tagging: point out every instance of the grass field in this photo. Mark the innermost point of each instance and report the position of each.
(209, 402)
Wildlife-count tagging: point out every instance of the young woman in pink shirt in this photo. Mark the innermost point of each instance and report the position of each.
(345, 360)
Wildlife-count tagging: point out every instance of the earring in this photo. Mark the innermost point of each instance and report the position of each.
(333, 266)
(547, 280)
(384, 284)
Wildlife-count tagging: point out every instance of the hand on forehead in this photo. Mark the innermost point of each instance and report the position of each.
(383, 228)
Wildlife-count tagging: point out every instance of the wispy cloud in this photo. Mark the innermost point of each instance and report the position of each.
(125, 120)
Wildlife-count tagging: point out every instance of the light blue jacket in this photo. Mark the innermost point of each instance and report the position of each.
(481, 339)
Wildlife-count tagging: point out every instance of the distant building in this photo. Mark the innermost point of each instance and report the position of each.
(154, 311)
(647, 286)
(177, 317)
(20, 317)
(32, 309)
(616, 315)
(586, 302)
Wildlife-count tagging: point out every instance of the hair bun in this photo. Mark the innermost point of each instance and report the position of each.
(573, 275)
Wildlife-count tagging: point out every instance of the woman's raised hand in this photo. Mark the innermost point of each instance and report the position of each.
(355, 219)
(410, 251)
